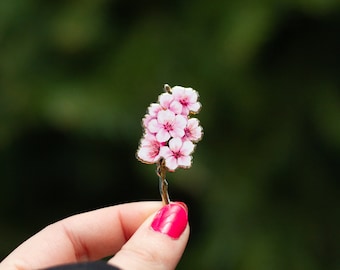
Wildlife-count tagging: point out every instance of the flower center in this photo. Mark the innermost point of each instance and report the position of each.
(187, 132)
(154, 150)
(177, 154)
(184, 102)
(168, 127)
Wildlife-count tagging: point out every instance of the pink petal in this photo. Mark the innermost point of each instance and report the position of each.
(153, 126)
(144, 142)
(143, 154)
(194, 107)
(165, 99)
(196, 134)
(193, 131)
(171, 163)
(166, 116)
(180, 121)
(178, 126)
(148, 140)
(149, 137)
(178, 91)
(165, 152)
(193, 123)
(147, 118)
(154, 108)
(185, 111)
(175, 145)
(177, 133)
(184, 161)
(191, 95)
(162, 135)
(187, 148)
(176, 107)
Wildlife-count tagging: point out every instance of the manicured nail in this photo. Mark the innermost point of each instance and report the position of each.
(171, 220)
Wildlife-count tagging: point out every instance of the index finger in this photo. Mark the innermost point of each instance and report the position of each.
(88, 236)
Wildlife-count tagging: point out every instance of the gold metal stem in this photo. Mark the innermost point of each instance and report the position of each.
(163, 184)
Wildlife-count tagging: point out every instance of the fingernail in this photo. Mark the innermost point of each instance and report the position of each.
(171, 220)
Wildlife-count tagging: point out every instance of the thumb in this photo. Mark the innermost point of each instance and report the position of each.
(158, 243)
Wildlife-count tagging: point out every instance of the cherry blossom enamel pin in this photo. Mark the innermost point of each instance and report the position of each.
(170, 133)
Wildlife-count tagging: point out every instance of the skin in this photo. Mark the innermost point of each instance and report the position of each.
(123, 230)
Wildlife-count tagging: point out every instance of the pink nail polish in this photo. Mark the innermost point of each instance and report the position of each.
(171, 220)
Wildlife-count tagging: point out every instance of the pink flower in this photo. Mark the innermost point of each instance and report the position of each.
(154, 108)
(188, 98)
(152, 112)
(169, 132)
(177, 154)
(193, 131)
(167, 125)
(149, 149)
(167, 101)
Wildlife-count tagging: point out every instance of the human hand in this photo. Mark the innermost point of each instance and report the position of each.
(138, 235)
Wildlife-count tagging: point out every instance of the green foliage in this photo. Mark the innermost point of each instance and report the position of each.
(77, 76)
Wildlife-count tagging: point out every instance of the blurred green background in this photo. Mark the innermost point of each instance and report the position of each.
(77, 76)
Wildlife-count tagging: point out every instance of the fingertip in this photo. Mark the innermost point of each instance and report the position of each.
(159, 242)
(183, 205)
(171, 220)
